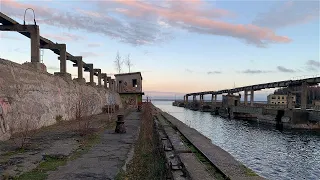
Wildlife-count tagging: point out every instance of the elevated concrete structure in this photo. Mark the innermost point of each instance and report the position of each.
(37, 42)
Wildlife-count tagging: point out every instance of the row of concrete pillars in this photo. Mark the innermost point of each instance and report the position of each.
(34, 32)
(214, 98)
(290, 104)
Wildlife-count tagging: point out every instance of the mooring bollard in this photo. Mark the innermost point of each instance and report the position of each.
(120, 128)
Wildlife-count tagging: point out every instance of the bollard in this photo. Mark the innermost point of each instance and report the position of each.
(120, 128)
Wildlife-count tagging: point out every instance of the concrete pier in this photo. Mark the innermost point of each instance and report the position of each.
(79, 64)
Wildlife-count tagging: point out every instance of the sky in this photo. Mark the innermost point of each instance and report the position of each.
(180, 46)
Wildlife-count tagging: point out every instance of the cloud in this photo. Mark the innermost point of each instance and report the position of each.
(145, 23)
(214, 72)
(89, 54)
(53, 68)
(287, 13)
(313, 65)
(63, 37)
(94, 45)
(286, 70)
(188, 71)
(250, 71)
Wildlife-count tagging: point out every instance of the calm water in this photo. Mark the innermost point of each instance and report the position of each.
(269, 152)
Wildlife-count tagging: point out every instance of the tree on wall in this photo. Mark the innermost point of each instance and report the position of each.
(118, 63)
(128, 63)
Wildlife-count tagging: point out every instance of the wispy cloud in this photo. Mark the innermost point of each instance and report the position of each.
(313, 65)
(94, 45)
(63, 37)
(255, 71)
(214, 72)
(149, 22)
(89, 54)
(53, 68)
(287, 13)
(188, 70)
(285, 70)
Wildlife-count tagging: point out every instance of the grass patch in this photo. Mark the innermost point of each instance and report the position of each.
(52, 163)
(249, 172)
(59, 118)
(40, 173)
(11, 153)
(121, 175)
(85, 145)
(148, 162)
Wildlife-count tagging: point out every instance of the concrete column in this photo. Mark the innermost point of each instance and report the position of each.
(91, 73)
(63, 58)
(215, 99)
(212, 101)
(104, 76)
(245, 97)
(251, 97)
(109, 81)
(80, 67)
(304, 96)
(35, 44)
(289, 101)
(99, 76)
(194, 98)
(113, 85)
(187, 99)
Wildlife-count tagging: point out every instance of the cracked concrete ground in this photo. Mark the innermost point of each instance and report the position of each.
(61, 139)
(105, 159)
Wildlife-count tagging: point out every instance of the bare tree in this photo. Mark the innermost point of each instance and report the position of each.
(118, 63)
(128, 62)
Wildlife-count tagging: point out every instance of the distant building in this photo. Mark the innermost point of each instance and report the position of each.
(230, 100)
(129, 86)
(280, 99)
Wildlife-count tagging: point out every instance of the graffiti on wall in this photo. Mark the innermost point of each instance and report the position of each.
(129, 101)
(4, 108)
(127, 88)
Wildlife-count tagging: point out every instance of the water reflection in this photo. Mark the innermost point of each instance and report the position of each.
(269, 152)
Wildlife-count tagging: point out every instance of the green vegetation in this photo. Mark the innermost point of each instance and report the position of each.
(40, 173)
(85, 145)
(249, 171)
(59, 118)
(52, 163)
(148, 162)
(17, 151)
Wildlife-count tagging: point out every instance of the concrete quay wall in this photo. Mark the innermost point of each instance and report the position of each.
(222, 160)
(33, 99)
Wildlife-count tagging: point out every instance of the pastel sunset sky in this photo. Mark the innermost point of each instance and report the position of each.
(180, 46)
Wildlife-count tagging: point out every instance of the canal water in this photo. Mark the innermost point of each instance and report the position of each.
(270, 153)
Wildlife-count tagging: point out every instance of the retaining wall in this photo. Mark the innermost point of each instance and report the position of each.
(33, 98)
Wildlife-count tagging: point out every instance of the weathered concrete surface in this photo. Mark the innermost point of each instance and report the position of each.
(34, 99)
(105, 159)
(220, 158)
(181, 153)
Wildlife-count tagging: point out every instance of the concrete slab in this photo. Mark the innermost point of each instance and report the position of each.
(220, 158)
